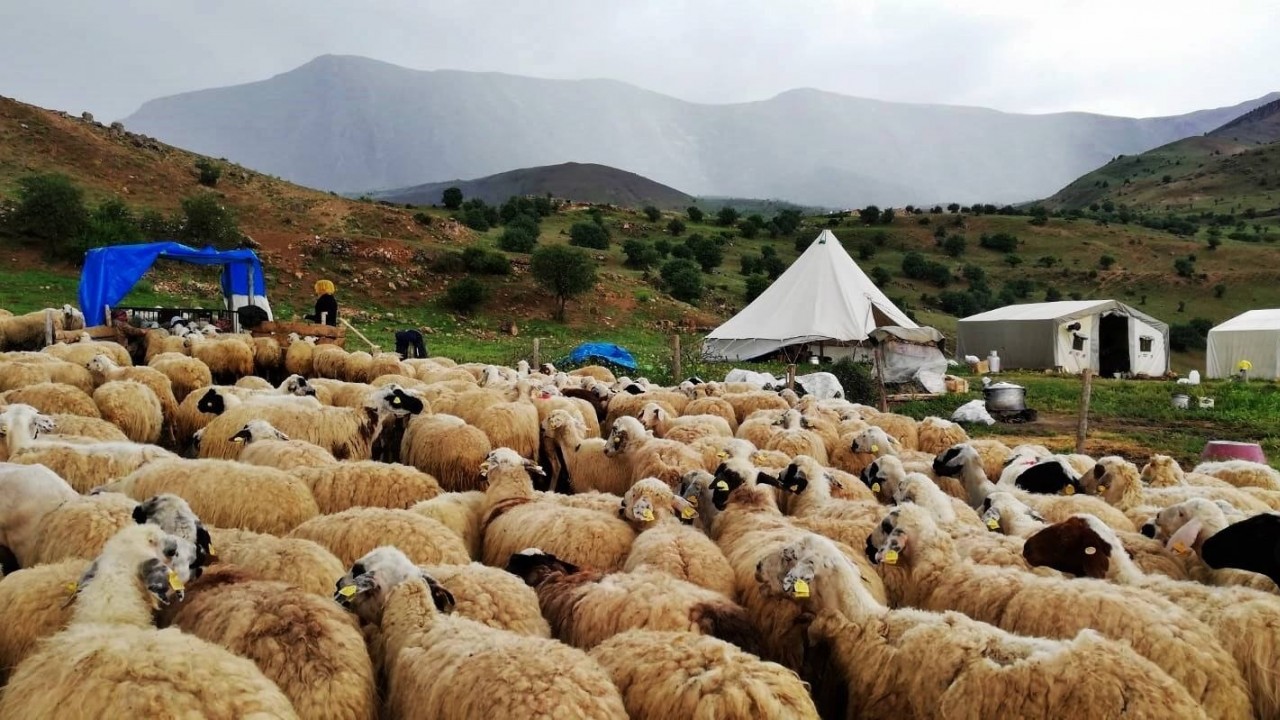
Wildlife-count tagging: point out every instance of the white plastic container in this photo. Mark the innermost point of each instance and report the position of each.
(993, 362)
(1181, 402)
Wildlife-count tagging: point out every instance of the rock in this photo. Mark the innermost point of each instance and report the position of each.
(391, 286)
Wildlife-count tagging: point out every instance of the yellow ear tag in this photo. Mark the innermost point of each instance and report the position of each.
(890, 557)
(212, 552)
(722, 486)
(993, 524)
(1069, 490)
(647, 515)
(692, 500)
(722, 455)
(875, 448)
(72, 587)
(175, 582)
(348, 591)
(800, 589)
(688, 513)
(875, 487)
(1181, 549)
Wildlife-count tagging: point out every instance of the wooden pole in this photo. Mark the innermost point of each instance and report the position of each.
(537, 354)
(359, 334)
(676, 374)
(48, 327)
(791, 377)
(1082, 430)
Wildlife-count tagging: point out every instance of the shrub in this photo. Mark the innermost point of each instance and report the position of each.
(451, 198)
(450, 262)
(465, 295)
(1000, 242)
(954, 245)
(50, 207)
(974, 274)
(676, 227)
(695, 214)
(589, 235)
(1020, 288)
(683, 280)
(755, 285)
(869, 215)
(706, 251)
(914, 265)
(886, 216)
(422, 219)
(749, 230)
(111, 223)
(640, 254)
(1185, 267)
(652, 213)
(1189, 336)
(787, 221)
(1047, 261)
(727, 216)
(774, 266)
(476, 219)
(952, 208)
(485, 262)
(207, 222)
(563, 271)
(662, 246)
(866, 250)
(857, 380)
(880, 276)
(750, 265)
(1219, 290)
(209, 172)
(1052, 294)
(1106, 261)
(938, 274)
(1012, 260)
(517, 238)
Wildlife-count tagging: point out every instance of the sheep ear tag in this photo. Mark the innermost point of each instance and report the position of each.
(875, 487)
(1069, 490)
(1182, 540)
(71, 588)
(890, 557)
(647, 515)
(347, 591)
(993, 524)
(722, 455)
(688, 513)
(875, 448)
(175, 582)
(800, 589)
(395, 400)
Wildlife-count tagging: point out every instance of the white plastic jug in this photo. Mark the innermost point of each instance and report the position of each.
(993, 362)
(1193, 377)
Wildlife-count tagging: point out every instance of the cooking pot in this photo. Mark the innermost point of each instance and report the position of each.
(1005, 398)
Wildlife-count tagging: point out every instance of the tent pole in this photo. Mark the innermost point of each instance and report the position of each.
(791, 377)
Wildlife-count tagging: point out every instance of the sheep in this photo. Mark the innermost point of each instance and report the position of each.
(910, 663)
(595, 372)
(28, 331)
(253, 383)
(1242, 474)
(935, 435)
(507, 424)
(925, 571)
(515, 519)
(1121, 486)
(347, 433)
(663, 543)
(160, 342)
(352, 533)
(992, 454)
(648, 456)
(132, 407)
(301, 563)
(745, 404)
(365, 483)
(686, 428)
(446, 667)
(1246, 622)
(792, 438)
(22, 372)
(493, 597)
(38, 596)
(74, 429)
(356, 366)
(228, 358)
(264, 445)
(186, 374)
(965, 462)
(586, 607)
(1187, 526)
(104, 369)
(1249, 545)
(53, 399)
(328, 361)
(226, 494)
(461, 512)
(80, 527)
(268, 357)
(111, 662)
(80, 353)
(684, 675)
(308, 646)
(198, 409)
(298, 355)
(900, 427)
(447, 448)
(717, 406)
(626, 405)
(757, 427)
(82, 465)
(581, 460)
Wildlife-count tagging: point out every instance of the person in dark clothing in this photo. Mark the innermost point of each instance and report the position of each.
(326, 304)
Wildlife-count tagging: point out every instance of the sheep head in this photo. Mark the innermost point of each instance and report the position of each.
(791, 570)
(1162, 471)
(876, 441)
(173, 515)
(160, 562)
(651, 415)
(882, 474)
(394, 400)
(626, 432)
(894, 539)
(789, 420)
(650, 500)
(955, 459)
(802, 473)
(1080, 546)
(1114, 476)
(256, 430)
(100, 364)
(536, 567)
(1188, 520)
(365, 587)
(1049, 476)
(297, 385)
(507, 459)
(1001, 509)
(212, 403)
(21, 420)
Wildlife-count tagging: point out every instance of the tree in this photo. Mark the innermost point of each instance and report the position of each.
(1012, 260)
(210, 171)
(886, 216)
(866, 250)
(207, 222)
(1185, 267)
(748, 229)
(563, 271)
(676, 227)
(914, 265)
(683, 280)
(954, 245)
(589, 235)
(869, 215)
(640, 254)
(974, 274)
(695, 214)
(880, 276)
(465, 295)
(111, 223)
(1039, 216)
(50, 207)
(485, 262)
(953, 208)
(1000, 242)
(788, 221)
(653, 213)
(755, 285)
(452, 198)
(1052, 294)
(727, 216)
(517, 238)
(706, 251)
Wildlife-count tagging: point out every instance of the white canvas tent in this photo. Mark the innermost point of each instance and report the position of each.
(1107, 336)
(1253, 336)
(824, 297)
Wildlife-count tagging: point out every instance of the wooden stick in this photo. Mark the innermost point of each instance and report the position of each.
(360, 335)
(676, 375)
(1082, 430)
(537, 354)
(48, 327)
(791, 377)
(884, 399)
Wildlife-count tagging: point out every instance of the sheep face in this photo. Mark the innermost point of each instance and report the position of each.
(1049, 477)
(626, 431)
(1000, 508)
(1172, 519)
(1073, 546)
(162, 562)
(876, 441)
(393, 400)
(877, 475)
(953, 461)
(499, 458)
(100, 364)
(297, 385)
(652, 415)
(789, 420)
(256, 430)
(730, 476)
(789, 572)
(365, 587)
(19, 420)
(795, 478)
(173, 515)
(535, 566)
(888, 543)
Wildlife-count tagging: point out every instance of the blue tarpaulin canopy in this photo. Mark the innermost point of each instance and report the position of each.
(607, 352)
(111, 272)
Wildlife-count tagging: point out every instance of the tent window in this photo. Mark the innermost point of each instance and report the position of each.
(1077, 342)
(1144, 344)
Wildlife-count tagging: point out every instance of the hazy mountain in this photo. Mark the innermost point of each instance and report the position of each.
(354, 124)
(572, 181)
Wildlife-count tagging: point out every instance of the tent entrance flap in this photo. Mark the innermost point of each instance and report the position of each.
(1113, 345)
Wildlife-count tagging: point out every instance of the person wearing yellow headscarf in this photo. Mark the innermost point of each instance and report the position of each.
(326, 304)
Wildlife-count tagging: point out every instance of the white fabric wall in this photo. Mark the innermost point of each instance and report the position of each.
(1064, 352)
(1229, 347)
(1152, 363)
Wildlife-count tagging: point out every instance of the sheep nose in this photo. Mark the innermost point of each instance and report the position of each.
(1149, 530)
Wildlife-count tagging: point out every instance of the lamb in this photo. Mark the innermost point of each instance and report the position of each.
(925, 570)
(132, 407)
(515, 519)
(684, 675)
(53, 399)
(225, 493)
(302, 563)
(664, 543)
(111, 662)
(748, 403)
(582, 461)
(758, 426)
(1246, 622)
(427, 655)
(186, 374)
(447, 448)
(365, 483)
(104, 369)
(264, 445)
(1163, 471)
(899, 427)
(298, 355)
(1242, 474)
(228, 358)
(493, 597)
(307, 645)
(910, 663)
(352, 533)
(585, 608)
(648, 456)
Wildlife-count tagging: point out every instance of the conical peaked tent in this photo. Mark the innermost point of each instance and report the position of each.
(823, 296)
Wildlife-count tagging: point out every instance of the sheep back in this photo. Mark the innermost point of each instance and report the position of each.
(302, 563)
(351, 534)
(53, 399)
(366, 483)
(133, 407)
(493, 597)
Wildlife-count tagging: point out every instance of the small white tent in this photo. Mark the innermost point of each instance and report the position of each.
(824, 297)
(1253, 336)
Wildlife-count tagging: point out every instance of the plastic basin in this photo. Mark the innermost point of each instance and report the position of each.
(1228, 450)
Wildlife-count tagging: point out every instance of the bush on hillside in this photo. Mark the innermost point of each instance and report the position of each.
(1192, 335)
(676, 227)
(589, 235)
(706, 251)
(652, 213)
(695, 214)
(640, 254)
(465, 295)
(111, 223)
(1106, 261)
(1000, 242)
(51, 208)
(485, 262)
(727, 216)
(205, 221)
(954, 245)
(880, 276)
(869, 215)
(564, 271)
(755, 285)
(422, 219)
(517, 238)
(886, 216)
(683, 280)
(209, 172)
(451, 198)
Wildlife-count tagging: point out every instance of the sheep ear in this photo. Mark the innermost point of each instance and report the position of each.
(281, 436)
(1182, 541)
(763, 478)
(534, 468)
(683, 508)
(439, 595)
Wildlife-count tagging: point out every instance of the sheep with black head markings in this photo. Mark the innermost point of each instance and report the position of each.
(665, 543)
(262, 444)
(581, 460)
(649, 456)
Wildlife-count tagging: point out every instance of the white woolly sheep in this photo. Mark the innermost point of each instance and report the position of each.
(935, 435)
(264, 445)
(791, 439)
(461, 512)
(447, 448)
(28, 331)
(39, 595)
(302, 563)
(365, 483)
(297, 356)
(27, 494)
(186, 374)
(228, 358)
(81, 527)
(664, 543)
(104, 369)
(352, 533)
(493, 597)
(132, 407)
(581, 461)
(649, 456)
(1242, 474)
(53, 399)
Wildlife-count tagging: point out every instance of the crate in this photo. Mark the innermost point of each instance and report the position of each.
(324, 334)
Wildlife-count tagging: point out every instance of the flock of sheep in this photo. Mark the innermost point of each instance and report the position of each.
(333, 534)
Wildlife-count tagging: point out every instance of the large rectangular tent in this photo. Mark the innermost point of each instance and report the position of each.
(1253, 337)
(1105, 335)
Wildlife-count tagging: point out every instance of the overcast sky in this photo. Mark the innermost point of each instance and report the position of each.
(1121, 57)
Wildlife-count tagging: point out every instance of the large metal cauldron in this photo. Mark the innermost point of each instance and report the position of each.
(1005, 398)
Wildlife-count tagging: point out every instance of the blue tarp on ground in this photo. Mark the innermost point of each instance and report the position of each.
(606, 352)
(111, 272)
